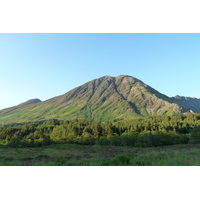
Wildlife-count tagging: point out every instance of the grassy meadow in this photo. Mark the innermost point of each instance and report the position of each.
(95, 155)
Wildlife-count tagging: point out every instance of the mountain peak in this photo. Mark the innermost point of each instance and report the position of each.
(30, 101)
(123, 76)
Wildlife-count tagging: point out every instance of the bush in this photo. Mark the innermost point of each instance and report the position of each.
(116, 141)
(103, 141)
(121, 160)
(195, 136)
(14, 142)
(128, 140)
(59, 161)
(139, 162)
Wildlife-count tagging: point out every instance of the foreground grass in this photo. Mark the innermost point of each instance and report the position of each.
(87, 155)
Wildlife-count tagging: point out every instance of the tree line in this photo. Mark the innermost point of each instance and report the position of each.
(138, 132)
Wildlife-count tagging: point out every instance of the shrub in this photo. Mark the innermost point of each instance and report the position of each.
(128, 140)
(115, 141)
(14, 142)
(59, 161)
(103, 141)
(195, 136)
(121, 160)
(139, 162)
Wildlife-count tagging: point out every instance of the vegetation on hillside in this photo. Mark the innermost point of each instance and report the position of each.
(138, 132)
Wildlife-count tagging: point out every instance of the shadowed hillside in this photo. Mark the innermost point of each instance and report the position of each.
(191, 103)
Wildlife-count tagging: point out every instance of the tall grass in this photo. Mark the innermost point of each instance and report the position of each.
(96, 155)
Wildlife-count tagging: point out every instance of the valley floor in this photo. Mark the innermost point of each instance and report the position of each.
(95, 155)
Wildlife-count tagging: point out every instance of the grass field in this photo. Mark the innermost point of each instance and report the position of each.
(87, 155)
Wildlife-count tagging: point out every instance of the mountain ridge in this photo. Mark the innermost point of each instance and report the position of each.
(104, 98)
(191, 102)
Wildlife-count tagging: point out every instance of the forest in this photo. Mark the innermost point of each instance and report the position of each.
(151, 131)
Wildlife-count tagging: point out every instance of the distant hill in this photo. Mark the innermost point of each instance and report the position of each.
(105, 98)
(31, 101)
(190, 102)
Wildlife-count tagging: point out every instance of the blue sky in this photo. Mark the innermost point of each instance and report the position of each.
(47, 65)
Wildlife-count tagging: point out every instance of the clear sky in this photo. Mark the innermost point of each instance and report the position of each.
(47, 65)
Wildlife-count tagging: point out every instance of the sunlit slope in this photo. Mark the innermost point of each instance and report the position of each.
(105, 98)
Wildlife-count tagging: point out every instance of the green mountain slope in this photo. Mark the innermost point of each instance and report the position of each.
(105, 98)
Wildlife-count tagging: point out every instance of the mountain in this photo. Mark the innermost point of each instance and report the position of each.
(105, 98)
(190, 102)
(31, 101)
